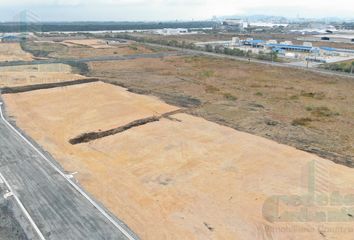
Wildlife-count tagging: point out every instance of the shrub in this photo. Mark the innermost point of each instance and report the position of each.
(211, 89)
(230, 97)
(301, 121)
(321, 111)
(207, 74)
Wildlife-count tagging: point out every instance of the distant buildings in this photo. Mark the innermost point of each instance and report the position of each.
(237, 25)
(267, 24)
(292, 48)
(10, 38)
(173, 31)
(254, 43)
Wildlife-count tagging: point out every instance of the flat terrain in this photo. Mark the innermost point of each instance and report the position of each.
(309, 111)
(183, 177)
(36, 74)
(94, 43)
(13, 52)
(74, 51)
(10, 226)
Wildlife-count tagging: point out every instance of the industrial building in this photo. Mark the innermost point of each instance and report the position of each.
(254, 43)
(10, 39)
(172, 31)
(237, 25)
(286, 49)
(292, 48)
(279, 47)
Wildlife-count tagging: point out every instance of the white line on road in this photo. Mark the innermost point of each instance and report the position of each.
(22, 208)
(77, 188)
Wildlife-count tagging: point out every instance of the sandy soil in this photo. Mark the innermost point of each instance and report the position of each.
(36, 74)
(309, 111)
(74, 51)
(185, 177)
(94, 43)
(13, 52)
(85, 52)
(115, 106)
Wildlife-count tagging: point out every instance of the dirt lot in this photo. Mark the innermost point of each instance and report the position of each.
(94, 43)
(61, 50)
(184, 177)
(13, 52)
(309, 111)
(36, 74)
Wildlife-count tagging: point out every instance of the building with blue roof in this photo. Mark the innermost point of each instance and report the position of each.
(293, 48)
(254, 43)
(10, 38)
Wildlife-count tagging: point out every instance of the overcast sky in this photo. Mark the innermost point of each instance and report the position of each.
(118, 10)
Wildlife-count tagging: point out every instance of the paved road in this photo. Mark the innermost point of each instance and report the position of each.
(92, 59)
(58, 209)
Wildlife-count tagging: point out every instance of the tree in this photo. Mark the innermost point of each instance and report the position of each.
(219, 49)
(209, 48)
(352, 68)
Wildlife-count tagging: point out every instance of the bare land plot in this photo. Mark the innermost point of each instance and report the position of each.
(61, 50)
(13, 52)
(36, 74)
(106, 107)
(94, 43)
(309, 111)
(86, 52)
(183, 177)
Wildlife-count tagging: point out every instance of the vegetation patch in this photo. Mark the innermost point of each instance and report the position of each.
(347, 67)
(294, 97)
(316, 95)
(230, 97)
(42, 49)
(301, 121)
(133, 47)
(211, 89)
(321, 111)
(207, 74)
(79, 67)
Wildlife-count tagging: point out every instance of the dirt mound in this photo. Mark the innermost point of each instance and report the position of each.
(88, 137)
